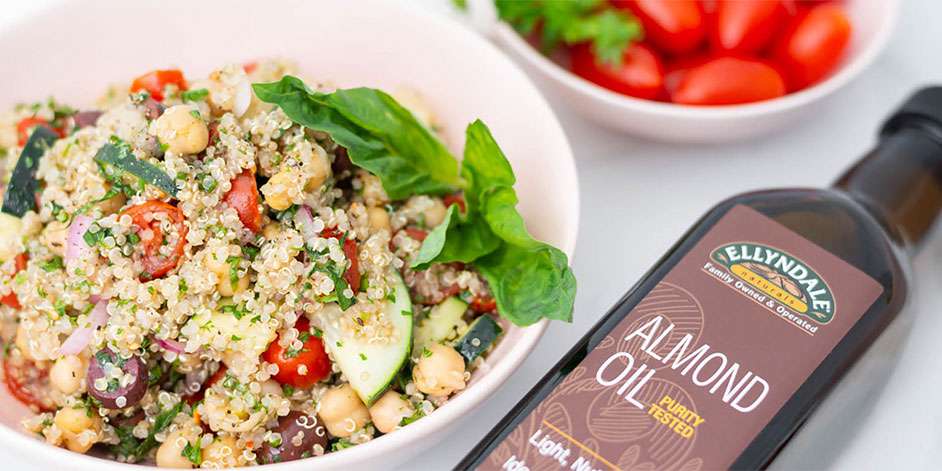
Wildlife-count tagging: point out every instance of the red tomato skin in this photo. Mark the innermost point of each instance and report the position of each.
(154, 82)
(22, 392)
(640, 75)
(26, 125)
(455, 198)
(350, 250)
(746, 26)
(728, 81)
(675, 70)
(813, 46)
(312, 355)
(20, 265)
(483, 304)
(154, 265)
(673, 26)
(243, 197)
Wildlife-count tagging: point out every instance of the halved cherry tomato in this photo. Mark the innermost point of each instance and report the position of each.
(483, 304)
(454, 198)
(243, 197)
(311, 355)
(674, 26)
(198, 395)
(153, 238)
(813, 45)
(155, 81)
(729, 80)
(27, 382)
(746, 26)
(352, 274)
(250, 67)
(640, 74)
(26, 125)
(417, 234)
(19, 265)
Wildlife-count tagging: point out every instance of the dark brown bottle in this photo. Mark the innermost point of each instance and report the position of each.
(724, 348)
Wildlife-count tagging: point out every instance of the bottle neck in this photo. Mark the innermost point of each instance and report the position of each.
(900, 181)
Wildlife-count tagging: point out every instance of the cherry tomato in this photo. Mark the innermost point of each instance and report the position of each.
(27, 382)
(152, 236)
(483, 304)
(311, 355)
(352, 274)
(674, 26)
(250, 67)
(677, 68)
(243, 197)
(20, 265)
(727, 81)
(455, 198)
(746, 26)
(640, 74)
(417, 234)
(26, 125)
(155, 81)
(814, 45)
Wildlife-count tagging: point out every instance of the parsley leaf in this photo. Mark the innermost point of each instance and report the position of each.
(608, 30)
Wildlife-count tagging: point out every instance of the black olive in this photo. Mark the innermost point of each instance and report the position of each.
(132, 393)
(299, 433)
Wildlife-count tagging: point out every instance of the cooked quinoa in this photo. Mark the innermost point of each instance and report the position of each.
(186, 288)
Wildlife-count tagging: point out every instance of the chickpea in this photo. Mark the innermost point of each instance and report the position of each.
(389, 411)
(222, 453)
(68, 374)
(170, 453)
(342, 411)
(318, 171)
(441, 372)
(278, 189)
(271, 231)
(378, 219)
(181, 131)
(435, 214)
(80, 430)
(55, 237)
(113, 204)
(227, 289)
(11, 228)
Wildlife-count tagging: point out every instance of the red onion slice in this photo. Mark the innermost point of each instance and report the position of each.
(83, 335)
(170, 345)
(76, 248)
(305, 221)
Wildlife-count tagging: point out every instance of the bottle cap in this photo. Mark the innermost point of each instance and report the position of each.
(923, 109)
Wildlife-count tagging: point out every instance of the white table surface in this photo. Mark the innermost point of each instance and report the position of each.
(884, 414)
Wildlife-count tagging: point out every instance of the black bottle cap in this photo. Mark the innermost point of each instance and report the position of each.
(922, 109)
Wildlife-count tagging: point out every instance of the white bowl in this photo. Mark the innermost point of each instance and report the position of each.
(74, 50)
(872, 22)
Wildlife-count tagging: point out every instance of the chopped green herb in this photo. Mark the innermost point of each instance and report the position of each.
(198, 94)
(53, 264)
(193, 453)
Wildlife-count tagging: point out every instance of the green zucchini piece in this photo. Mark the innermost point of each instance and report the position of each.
(119, 155)
(482, 333)
(21, 193)
(444, 323)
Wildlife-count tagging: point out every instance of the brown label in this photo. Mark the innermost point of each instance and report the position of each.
(700, 366)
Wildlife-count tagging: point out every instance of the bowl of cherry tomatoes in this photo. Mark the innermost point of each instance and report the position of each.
(703, 71)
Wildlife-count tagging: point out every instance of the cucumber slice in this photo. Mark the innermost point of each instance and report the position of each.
(371, 367)
(21, 192)
(482, 333)
(444, 323)
(118, 155)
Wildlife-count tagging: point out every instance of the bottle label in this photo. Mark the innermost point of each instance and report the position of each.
(703, 362)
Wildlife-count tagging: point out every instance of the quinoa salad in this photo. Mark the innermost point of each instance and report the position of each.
(249, 268)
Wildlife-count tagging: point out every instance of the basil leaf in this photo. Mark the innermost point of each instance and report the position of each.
(530, 283)
(380, 135)
(530, 280)
(452, 241)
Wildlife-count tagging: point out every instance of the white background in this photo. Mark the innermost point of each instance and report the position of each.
(639, 197)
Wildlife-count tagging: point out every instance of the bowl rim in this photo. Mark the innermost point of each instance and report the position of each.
(456, 408)
(848, 70)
